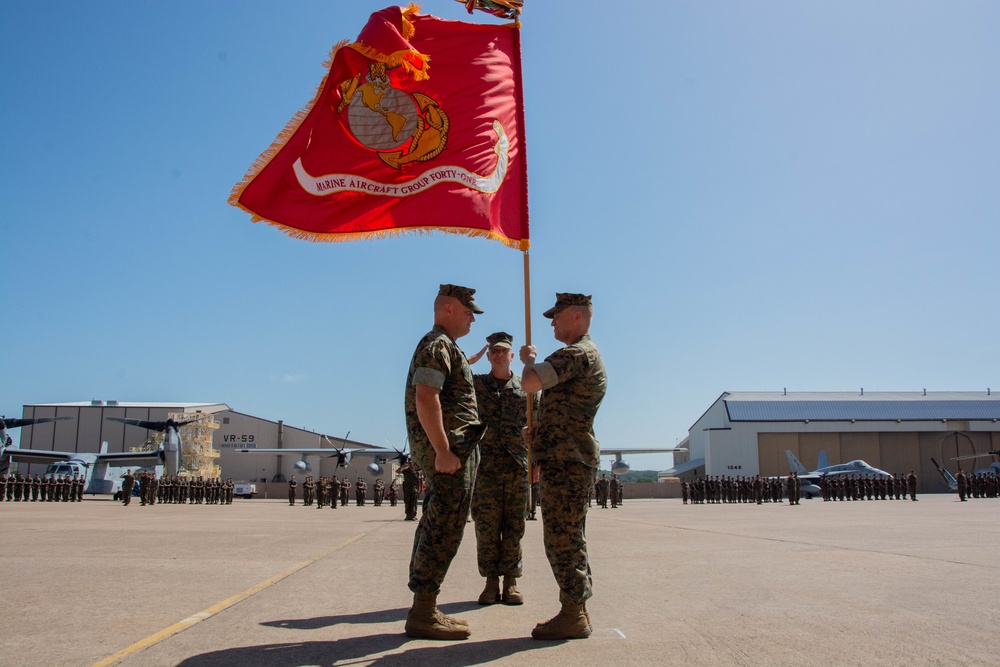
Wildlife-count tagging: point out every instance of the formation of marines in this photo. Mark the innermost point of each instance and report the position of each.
(18, 487)
(151, 489)
(868, 487)
(321, 492)
(327, 491)
(181, 490)
(608, 489)
(725, 489)
(977, 485)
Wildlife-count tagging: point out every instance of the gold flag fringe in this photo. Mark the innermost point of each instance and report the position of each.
(343, 237)
(279, 142)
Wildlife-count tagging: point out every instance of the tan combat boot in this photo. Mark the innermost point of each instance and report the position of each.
(424, 621)
(510, 593)
(490, 594)
(571, 622)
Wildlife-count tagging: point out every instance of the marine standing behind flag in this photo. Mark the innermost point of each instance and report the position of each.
(500, 498)
(574, 384)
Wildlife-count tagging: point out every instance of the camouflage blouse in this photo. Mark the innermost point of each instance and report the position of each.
(574, 384)
(438, 362)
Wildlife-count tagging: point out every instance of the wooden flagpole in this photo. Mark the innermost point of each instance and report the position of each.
(527, 341)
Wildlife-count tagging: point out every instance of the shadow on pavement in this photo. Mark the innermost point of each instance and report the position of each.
(382, 616)
(440, 654)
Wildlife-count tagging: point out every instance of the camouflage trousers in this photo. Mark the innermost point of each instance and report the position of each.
(565, 491)
(499, 503)
(438, 535)
(410, 501)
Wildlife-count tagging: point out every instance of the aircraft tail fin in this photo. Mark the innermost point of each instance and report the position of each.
(948, 478)
(104, 447)
(794, 465)
(823, 462)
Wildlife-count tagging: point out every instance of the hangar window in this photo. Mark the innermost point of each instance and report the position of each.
(225, 420)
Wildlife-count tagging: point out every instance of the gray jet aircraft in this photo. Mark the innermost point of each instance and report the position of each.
(808, 480)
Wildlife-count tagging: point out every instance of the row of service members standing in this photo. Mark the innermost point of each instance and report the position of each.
(16, 487)
(606, 489)
(868, 487)
(325, 490)
(192, 490)
(176, 489)
(725, 489)
(977, 485)
(760, 490)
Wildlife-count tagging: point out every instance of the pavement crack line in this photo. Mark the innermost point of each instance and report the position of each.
(205, 614)
(812, 544)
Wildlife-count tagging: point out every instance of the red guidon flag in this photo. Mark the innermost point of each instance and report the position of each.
(418, 126)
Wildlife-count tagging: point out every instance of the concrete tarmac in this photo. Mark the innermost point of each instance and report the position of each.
(262, 583)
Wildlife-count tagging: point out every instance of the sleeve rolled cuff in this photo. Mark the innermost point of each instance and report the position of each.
(546, 374)
(428, 377)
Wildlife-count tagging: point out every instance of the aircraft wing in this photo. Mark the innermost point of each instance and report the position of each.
(19, 455)
(614, 452)
(156, 457)
(48, 456)
(151, 425)
(318, 451)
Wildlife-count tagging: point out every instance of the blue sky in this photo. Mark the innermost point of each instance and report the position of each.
(758, 195)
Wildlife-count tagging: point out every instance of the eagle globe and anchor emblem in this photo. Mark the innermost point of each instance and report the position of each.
(385, 119)
(401, 128)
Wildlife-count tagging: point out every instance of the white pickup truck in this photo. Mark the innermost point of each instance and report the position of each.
(244, 490)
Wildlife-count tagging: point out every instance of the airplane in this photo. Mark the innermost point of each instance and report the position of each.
(342, 454)
(172, 444)
(93, 467)
(620, 467)
(808, 479)
(13, 422)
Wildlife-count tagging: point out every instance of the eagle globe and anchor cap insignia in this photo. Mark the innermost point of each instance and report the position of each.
(402, 129)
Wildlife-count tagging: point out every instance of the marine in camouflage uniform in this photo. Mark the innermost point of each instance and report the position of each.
(442, 422)
(500, 497)
(574, 384)
(411, 486)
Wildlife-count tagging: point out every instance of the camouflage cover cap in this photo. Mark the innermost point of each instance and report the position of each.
(463, 294)
(564, 300)
(500, 339)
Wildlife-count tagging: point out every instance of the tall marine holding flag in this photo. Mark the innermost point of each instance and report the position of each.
(418, 126)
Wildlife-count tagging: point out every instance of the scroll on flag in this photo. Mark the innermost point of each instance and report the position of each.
(417, 126)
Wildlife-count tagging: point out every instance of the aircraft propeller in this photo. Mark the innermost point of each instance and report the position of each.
(172, 437)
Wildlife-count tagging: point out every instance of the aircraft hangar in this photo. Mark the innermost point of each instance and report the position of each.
(223, 433)
(748, 433)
